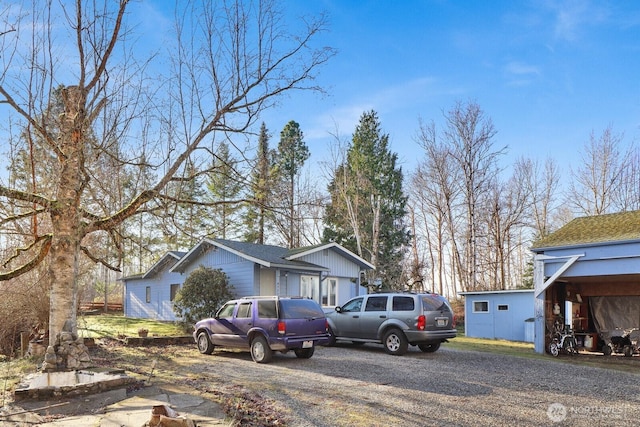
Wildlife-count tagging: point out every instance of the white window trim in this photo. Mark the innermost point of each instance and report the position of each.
(480, 311)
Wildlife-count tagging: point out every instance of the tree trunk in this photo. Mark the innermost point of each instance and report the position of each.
(64, 216)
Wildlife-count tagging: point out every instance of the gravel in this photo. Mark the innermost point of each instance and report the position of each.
(363, 386)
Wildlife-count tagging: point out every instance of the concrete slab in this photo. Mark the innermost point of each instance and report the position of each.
(136, 412)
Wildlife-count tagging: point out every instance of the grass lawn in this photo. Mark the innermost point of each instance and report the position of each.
(113, 325)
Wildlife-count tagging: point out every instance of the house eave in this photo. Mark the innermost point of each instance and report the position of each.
(583, 245)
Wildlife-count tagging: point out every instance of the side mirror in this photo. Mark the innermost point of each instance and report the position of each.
(338, 309)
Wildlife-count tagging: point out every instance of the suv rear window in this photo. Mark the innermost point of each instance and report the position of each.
(434, 303)
(267, 309)
(403, 304)
(300, 309)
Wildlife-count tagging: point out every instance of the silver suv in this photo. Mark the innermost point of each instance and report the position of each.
(395, 320)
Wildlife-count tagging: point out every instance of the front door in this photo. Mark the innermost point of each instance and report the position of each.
(348, 320)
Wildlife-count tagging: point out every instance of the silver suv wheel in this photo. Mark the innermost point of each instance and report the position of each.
(395, 342)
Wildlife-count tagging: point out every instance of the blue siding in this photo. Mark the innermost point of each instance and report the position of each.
(160, 307)
(340, 268)
(499, 324)
(604, 260)
(242, 275)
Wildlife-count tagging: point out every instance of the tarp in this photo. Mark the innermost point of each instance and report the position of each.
(612, 315)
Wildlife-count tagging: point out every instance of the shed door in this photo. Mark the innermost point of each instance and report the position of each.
(502, 321)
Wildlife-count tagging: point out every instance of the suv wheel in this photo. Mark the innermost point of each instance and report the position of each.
(395, 342)
(304, 353)
(429, 347)
(260, 350)
(204, 344)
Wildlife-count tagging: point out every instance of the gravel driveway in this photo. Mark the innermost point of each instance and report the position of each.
(363, 386)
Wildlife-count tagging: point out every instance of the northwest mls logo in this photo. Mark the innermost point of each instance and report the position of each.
(557, 412)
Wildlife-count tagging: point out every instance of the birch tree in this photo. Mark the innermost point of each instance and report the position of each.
(228, 61)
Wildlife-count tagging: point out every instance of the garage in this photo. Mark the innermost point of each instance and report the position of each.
(587, 276)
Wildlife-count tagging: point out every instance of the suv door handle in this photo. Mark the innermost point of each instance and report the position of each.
(383, 316)
(355, 316)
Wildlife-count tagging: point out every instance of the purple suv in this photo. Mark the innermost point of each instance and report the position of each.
(263, 325)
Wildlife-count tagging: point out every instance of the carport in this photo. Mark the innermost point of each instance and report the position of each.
(588, 274)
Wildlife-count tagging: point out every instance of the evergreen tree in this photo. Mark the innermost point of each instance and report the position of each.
(224, 185)
(257, 211)
(368, 206)
(291, 155)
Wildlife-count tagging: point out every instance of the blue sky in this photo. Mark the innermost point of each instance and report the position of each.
(547, 73)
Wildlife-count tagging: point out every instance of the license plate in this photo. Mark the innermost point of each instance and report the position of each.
(441, 322)
(307, 344)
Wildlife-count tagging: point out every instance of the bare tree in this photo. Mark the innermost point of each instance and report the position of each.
(434, 195)
(543, 184)
(593, 188)
(470, 137)
(231, 61)
(507, 213)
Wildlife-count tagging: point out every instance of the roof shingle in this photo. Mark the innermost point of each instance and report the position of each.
(594, 229)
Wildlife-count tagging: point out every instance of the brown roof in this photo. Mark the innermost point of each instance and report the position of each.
(594, 229)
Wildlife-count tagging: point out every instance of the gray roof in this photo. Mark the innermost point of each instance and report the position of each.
(266, 255)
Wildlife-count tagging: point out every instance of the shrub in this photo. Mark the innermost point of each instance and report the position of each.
(202, 294)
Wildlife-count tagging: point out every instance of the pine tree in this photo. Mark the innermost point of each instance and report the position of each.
(224, 184)
(291, 155)
(257, 211)
(368, 206)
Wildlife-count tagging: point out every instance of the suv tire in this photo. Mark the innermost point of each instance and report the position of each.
(260, 350)
(304, 353)
(395, 343)
(204, 344)
(429, 347)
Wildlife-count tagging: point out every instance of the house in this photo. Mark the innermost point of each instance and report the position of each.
(587, 274)
(504, 314)
(327, 273)
(149, 295)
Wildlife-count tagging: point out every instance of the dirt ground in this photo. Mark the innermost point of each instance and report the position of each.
(181, 367)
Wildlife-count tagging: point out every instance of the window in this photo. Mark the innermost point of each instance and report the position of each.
(227, 310)
(503, 307)
(173, 292)
(300, 309)
(329, 292)
(353, 305)
(481, 306)
(148, 294)
(267, 309)
(376, 304)
(244, 310)
(403, 304)
(309, 287)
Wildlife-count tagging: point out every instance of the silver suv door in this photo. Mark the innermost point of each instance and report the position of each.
(375, 312)
(347, 321)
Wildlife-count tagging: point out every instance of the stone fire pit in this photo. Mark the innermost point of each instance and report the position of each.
(58, 385)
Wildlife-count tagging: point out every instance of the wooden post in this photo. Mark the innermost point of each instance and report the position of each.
(24, 343)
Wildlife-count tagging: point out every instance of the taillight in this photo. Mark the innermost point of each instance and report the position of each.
(282, 328)
(326, 325)
(454, 321)
(422, 321)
